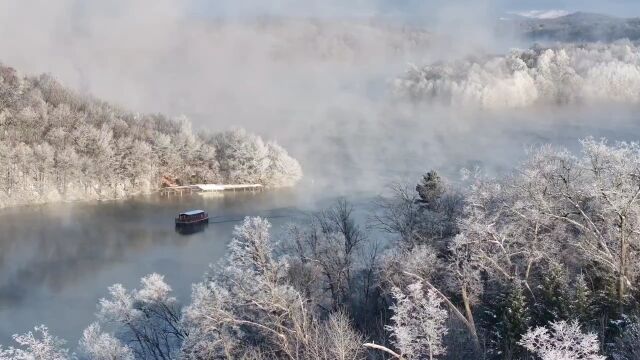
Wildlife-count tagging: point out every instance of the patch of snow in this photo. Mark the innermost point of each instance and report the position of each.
(543, 14)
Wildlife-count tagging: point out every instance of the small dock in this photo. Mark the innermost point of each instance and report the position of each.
(209, 188)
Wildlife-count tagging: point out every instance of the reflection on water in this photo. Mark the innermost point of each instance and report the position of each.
(190, 229)
(56, 261)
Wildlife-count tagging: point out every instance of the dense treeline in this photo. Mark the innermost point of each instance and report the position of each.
(58, 145)
(565, 74)
(536, 264)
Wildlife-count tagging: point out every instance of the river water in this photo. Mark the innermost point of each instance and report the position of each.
(56, 261)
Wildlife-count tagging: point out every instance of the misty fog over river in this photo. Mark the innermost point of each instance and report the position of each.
(57, 260)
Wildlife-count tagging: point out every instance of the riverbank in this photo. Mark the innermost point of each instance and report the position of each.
(209, 190)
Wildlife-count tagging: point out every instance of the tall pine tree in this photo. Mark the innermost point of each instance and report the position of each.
(515, 321)
(554, 299)
(581, 304)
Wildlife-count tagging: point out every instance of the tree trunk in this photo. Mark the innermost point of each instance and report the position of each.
(622, 271)
(385, 349)
(469, 317)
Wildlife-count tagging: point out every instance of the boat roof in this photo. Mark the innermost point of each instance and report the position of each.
(192, 212)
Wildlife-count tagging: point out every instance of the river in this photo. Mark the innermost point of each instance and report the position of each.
(56, 261)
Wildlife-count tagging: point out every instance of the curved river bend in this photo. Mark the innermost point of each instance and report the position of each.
(56, 261)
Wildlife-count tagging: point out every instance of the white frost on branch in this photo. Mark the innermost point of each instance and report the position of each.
(245, 158)
(39, 346)
(248, 307)
(418, 323)
(250, 248)
(154, 289)
(147, 320)
(102, 346)
(564, 341)
(283, 170)
(119, 307)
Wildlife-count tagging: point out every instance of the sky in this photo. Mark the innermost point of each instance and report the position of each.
(622, 8)
(420, 8)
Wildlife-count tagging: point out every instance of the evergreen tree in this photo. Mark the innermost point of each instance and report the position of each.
(554, 303)
(627, 345)
(581, 304)
(605, 307)
(515, 322)
(430, 189)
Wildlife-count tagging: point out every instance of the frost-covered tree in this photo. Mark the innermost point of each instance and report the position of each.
(243, 157)
(607, 200)
(566, 74)
(146, 320)
(283, 170)
(336, 339)
(97, 345)
(418, 324)
(40, 345)
(503, 239)
(59, 145)
(251, 249)
(430, 248)
(562, 341)
(248, 306)
(556, 216)
(523, 222)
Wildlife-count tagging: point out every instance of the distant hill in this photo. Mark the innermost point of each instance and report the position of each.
(558, 75)
(579, 26)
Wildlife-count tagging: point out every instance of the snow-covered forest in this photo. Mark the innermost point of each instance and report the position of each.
(536, 264)
(523, 255)
(590, 73)
(57, 145)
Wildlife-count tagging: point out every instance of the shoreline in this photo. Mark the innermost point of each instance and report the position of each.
(208, 194)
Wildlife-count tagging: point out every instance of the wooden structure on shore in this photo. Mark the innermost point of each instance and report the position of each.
(208, 188)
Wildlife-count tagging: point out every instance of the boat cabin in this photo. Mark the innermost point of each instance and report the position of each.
(192, 217)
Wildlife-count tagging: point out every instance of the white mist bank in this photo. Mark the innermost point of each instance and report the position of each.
(323, 87)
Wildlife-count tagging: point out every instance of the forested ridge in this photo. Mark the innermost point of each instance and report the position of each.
(564, 74)
(56, 144)
(535, 264)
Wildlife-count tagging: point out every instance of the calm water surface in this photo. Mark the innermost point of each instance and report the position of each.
(56, 261)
